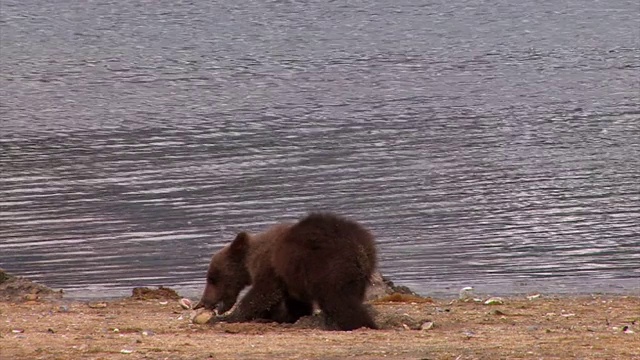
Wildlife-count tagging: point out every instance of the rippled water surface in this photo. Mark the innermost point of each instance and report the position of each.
(493, 144)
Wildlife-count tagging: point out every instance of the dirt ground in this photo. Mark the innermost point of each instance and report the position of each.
(544, 327)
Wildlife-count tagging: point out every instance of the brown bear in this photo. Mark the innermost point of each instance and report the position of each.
(323, 259)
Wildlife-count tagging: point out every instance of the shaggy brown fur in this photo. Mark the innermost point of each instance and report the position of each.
(323, 259)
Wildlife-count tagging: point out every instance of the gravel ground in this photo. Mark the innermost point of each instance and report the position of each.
(544, 327)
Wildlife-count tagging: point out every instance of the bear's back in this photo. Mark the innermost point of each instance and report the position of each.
(328, 231)
(324, 249)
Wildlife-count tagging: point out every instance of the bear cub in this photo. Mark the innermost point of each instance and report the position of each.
(322, 259)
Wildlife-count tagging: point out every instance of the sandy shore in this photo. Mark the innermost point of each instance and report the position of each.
(545, 327)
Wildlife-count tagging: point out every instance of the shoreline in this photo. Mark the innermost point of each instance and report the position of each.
(40, 323)
(550, 327)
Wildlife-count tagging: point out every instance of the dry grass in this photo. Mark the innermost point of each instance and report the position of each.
(545, 328)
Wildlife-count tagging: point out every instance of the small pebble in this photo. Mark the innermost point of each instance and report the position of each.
(63, 308)
(126, 351)
(469, 334)
(494, 301)
(427, 326)
(185, 303)
(17, 331)
(148, 333)
(98, 305)
(533, 297)
(627, 330)
(466, 293)
(164, 302)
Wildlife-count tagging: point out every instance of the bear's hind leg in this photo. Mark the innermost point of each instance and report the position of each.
(345, 309)
(348, 315)
(297, 309)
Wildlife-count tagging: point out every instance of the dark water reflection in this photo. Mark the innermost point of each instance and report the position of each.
(494, 146)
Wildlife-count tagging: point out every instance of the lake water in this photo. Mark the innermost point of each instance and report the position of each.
(485, 143)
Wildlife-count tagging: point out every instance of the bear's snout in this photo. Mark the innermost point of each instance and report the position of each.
(207, 305)
(219, 307)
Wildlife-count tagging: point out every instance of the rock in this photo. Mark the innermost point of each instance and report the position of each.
(97, 305)
(185, 303)
(533, 297)
(466, 293)
(427, 326)
(494, 301)
(201, 317)
(30, 297)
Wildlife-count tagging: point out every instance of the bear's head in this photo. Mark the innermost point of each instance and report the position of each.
(227, 276)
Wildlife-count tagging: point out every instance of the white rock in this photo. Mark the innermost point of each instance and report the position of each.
(185, 303)
(466, 293)
(494, 301)
(427, 326)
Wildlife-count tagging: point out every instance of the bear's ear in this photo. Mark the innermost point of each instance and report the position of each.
(240, 244)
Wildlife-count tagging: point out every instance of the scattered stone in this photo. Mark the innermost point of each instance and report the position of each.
(148, 333)
(63, 308)
(466, 293)
(533, 297)
(30, 297)
(568, 315)
(494, 301)
(469, 334)
(201, 317)
(185, 303)
(97, 305)
(427, 326)
(126, 351)
(17, 331)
